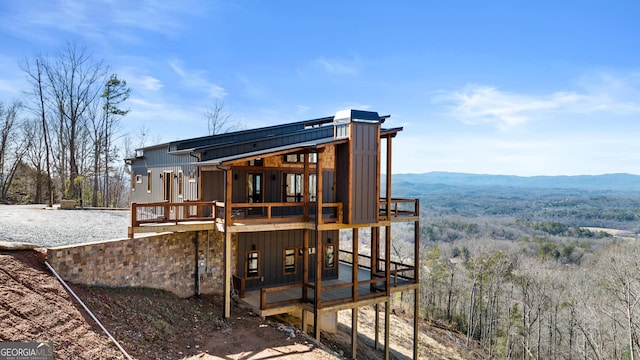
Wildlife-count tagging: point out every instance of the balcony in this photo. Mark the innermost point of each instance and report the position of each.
(370, 286)
(194, 215)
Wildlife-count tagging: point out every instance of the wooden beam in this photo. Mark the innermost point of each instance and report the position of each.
(378, 168)
(387, 255)
(416, 324)
(227, 245)
(318, 285)
(305, 266)
(227, 275)
(319, 188)
(354, 267)
(377, 327)
(354, 332)
(386, 329)
(416, 292)
(389, 169)
(305, 187)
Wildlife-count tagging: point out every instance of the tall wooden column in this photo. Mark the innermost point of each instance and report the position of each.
(416, 292)
(227, 245)
(354, 332)
(320, 250)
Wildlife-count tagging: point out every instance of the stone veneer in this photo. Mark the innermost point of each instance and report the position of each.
(165, 261)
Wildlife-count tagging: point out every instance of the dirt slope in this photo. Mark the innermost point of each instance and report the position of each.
(35, 307)
(148, 324)
(152, 324)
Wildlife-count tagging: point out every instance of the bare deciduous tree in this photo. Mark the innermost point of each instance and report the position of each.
(219, 121)
(74, 83)
(12, 146)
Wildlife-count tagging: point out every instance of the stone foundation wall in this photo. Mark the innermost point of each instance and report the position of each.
(166, 261)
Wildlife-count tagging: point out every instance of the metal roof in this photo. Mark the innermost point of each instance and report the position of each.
(261, 153)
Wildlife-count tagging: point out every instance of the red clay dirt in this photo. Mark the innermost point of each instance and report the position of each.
(153, 324)
(149, 324)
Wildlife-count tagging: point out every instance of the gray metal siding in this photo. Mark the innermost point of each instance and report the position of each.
(158, 161)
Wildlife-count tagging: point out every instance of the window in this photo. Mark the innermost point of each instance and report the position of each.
(298, 158)
(149, 181)
(289, 261)
(342, 131)
(293, 187)
(253, 264)
(138, 179)
(193, 172)
(256, 162)
(329, 258)
(313, 186)
(180, 183)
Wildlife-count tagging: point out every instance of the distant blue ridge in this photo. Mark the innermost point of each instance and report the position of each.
(607, 182)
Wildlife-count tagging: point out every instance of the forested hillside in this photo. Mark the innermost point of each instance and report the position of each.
(529, 271)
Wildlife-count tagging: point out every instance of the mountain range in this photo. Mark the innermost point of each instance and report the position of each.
(607, 182)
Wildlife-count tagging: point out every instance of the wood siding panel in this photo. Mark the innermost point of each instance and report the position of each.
(342, 178)
(213, 185)
(365, 168)
(271, 247)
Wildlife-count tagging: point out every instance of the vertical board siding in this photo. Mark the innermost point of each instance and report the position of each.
(365, 156)
(158, 161)
(212, 185)
(271, 247)
(342, 179)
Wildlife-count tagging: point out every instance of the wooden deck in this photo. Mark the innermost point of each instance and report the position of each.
(205, 215)
(333, 293)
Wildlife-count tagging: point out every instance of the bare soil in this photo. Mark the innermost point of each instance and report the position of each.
(153, 324)
(148, 324)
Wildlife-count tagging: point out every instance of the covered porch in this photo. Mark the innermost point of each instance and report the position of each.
(335, 294)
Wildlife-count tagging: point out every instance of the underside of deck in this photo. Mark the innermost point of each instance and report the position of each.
(340, 298)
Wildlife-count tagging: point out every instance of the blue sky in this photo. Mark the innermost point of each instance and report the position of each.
(493, 87)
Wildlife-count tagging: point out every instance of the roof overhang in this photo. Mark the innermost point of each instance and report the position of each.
(280, 150)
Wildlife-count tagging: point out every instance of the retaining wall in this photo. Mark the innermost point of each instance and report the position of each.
(165, 261)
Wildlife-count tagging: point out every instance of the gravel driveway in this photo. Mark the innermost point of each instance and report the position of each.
(50, 227)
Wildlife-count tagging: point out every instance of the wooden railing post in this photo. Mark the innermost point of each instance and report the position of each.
(134, 215)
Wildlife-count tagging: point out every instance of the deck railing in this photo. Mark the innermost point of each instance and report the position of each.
(284, 212)
(241, 213)
(393, 208)
(400, 274)
(166, 212)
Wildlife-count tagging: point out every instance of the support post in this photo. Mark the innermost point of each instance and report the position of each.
(416, 325)
(386, 329)
(317, 304)
(354, 268)
(305, 320)
(305, 266)
(227, 246)
(377, 326)
(416, 303)
(354, 332)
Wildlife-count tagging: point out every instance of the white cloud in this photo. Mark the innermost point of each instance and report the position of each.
(337, 66)
(196, 79)
(144, 82)
(482, 104)
(96, 19)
